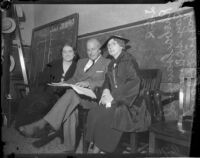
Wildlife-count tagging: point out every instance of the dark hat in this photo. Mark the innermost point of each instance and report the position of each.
(120, 39)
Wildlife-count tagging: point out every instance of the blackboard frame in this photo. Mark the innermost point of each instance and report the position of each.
(74, 16)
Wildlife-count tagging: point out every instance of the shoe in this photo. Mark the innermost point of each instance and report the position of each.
(39, 133)
(26, 132)
(48, 138)
(44, 140)
(35, 130)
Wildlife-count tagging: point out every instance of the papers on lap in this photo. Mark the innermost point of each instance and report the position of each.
(80, 90)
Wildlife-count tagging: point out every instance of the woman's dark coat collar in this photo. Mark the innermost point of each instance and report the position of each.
(119, 58)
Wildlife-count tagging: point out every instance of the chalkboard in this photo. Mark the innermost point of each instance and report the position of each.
(166, 42)
(47, 42)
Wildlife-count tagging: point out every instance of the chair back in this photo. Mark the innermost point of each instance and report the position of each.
(150, 80)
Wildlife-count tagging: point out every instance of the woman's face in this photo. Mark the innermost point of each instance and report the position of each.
(114, 48)
(67, 53)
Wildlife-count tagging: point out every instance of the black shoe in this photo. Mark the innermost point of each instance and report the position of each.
(48, 138)
(44, 140)
(40, 133)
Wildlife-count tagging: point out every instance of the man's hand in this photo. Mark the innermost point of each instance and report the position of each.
(83, 84)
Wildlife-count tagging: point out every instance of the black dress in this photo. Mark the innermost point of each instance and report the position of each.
(39, 101)
(105, 126)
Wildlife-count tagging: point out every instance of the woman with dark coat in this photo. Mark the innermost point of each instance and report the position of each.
(116, 113)
(39, 101)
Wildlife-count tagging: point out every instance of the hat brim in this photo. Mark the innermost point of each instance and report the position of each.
(114, 37)
(12, 26)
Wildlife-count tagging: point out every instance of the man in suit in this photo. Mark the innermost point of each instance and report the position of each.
(90, 72)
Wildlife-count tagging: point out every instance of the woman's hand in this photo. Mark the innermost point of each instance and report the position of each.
(106, 98)
(83, 84)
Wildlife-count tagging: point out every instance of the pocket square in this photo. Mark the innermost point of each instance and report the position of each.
(100, 71)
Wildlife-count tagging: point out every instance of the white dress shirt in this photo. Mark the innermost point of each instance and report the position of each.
(90, 63)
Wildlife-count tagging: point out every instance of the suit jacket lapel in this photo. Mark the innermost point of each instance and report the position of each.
(84, 75)
(91, 71)
(94, 67)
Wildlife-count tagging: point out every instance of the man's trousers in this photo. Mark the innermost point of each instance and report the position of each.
(65, 113)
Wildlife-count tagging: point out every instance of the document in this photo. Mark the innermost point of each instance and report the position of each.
(80, 90)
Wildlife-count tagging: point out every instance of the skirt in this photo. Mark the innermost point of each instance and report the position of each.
(99, 129)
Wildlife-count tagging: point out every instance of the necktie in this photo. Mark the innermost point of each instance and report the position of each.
(88, 66)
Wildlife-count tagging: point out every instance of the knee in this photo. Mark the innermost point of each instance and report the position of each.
(70, 93)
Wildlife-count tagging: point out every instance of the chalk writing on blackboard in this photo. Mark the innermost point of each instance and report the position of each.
(190, 47)
(168, 58)
(180, 55)
(164, 11)
(180, 52)
(184, 50)
(62, 26)
(153, 13)
(150, 34)
(192, 60)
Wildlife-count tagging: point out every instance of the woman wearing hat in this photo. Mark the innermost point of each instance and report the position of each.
(115, 114)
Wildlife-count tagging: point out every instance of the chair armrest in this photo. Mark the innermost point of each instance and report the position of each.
(172, 96)
(159, 103)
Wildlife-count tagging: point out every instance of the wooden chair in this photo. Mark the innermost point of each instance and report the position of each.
(82, 117)
(150, 81)
(175, 132)
(149, 85)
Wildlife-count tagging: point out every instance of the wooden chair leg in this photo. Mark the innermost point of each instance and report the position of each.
(151, 142)
(85, 143)
(134, 142)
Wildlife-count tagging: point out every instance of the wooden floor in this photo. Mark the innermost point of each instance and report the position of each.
(18, 144)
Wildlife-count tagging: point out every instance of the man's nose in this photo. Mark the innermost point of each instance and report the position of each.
(90, 53)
